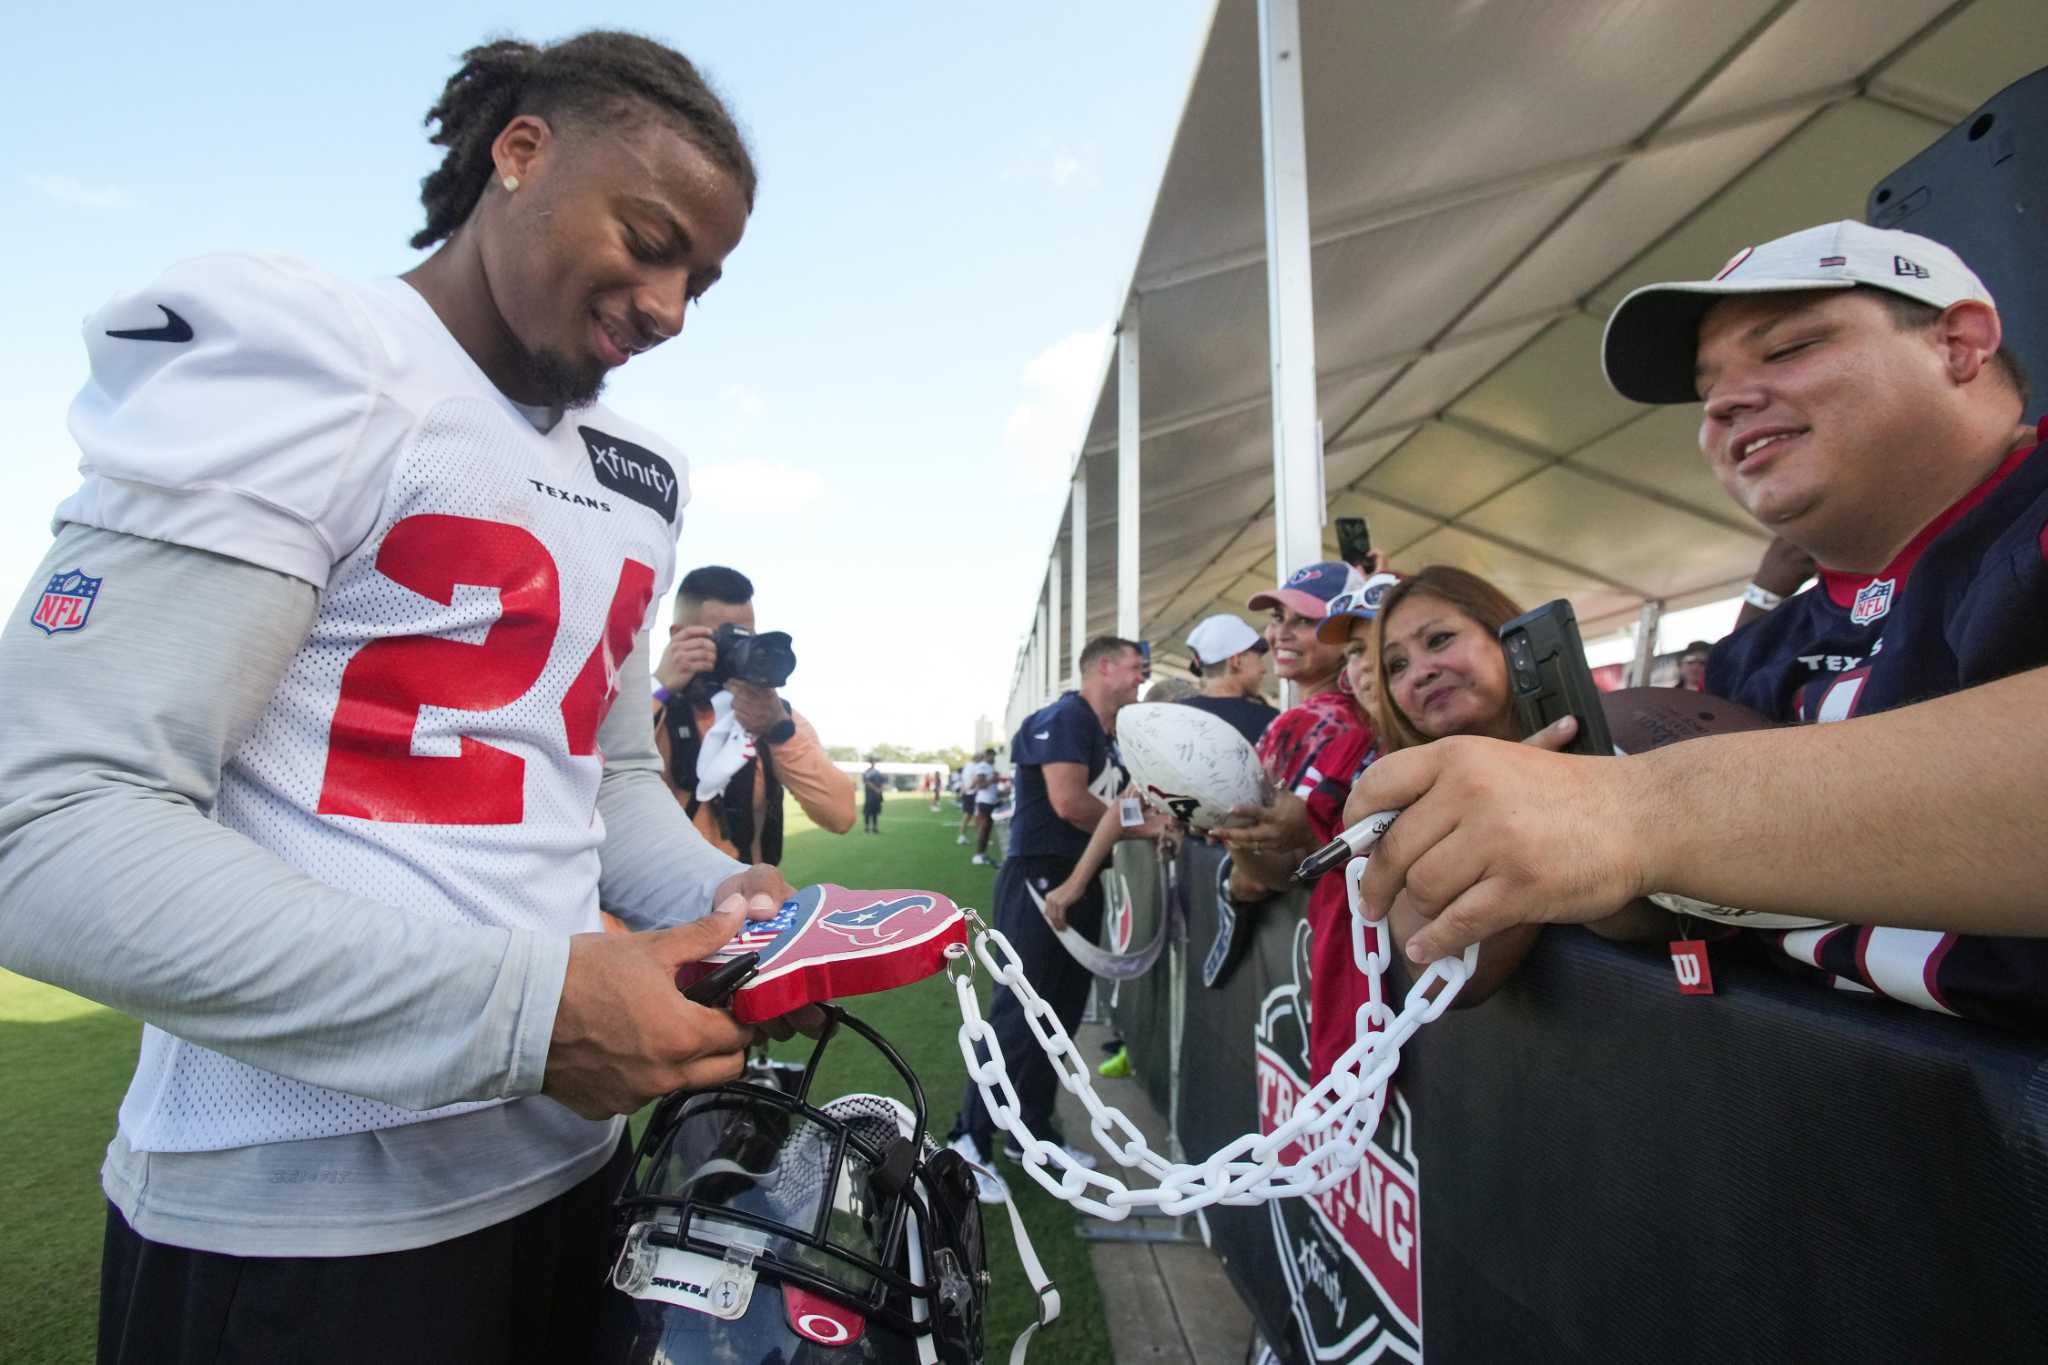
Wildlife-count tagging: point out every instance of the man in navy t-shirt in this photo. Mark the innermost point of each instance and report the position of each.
(1230, 659)
(1066, 776)
(1858, 402)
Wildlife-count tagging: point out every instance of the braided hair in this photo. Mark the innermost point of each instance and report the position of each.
(588, 77)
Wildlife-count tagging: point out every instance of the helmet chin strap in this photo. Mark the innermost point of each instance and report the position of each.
(1330, 1125)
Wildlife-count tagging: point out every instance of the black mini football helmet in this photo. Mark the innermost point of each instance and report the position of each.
(758, 1227)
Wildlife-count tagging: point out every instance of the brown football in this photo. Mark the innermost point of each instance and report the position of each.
(1643, 718)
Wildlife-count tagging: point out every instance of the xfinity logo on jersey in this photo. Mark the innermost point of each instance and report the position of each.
(632, 471)
(1352, 1256)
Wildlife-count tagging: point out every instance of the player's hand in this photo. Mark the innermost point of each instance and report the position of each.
(757, 709)
(763, 887)
(1493, 835)
(1058, 901)
(1269, 829)
(625, 1035)
(691, 650)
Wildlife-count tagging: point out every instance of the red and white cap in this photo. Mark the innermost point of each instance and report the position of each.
(1652, 343)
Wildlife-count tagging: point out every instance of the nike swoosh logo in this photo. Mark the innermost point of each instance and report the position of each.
(174, 329)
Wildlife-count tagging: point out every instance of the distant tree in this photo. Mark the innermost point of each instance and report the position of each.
(955, 758)
(892, 753)
(842, 753)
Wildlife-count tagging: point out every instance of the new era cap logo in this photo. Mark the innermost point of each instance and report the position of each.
(632, 471)
(1902, 266)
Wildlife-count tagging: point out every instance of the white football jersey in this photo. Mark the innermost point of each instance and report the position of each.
(433, 744)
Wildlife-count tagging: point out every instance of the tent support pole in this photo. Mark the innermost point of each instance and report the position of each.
(1127, 437)
(1638, 674)
(1052, 625)
(1297, 440)
(1077, 567)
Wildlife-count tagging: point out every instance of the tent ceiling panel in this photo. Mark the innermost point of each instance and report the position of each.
(1345, 465)
(1202, 345)
(1431, 383)
(1454, 93)
(1541, 396)
(1640, 202)
(1398, 288)
(1660, 451)
(1526, 577)
(1485, 181)
(1621, 537)
(1812, 46)
(1984, 48)
(1820, 173)
(1443, 471)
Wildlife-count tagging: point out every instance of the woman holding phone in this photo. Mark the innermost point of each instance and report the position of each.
(1440, 672)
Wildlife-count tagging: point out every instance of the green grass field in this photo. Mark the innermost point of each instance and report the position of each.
(64, 1064)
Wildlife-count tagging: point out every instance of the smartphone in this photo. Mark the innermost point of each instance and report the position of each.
(1548, 678)
(1354, 541)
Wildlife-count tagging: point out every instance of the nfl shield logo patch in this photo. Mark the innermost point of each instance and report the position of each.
(65, 603)
(1873, 600)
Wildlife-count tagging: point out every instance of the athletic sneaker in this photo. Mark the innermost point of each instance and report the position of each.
(1117, 1067)
(1085, 1160)
(979, 861)
(989, 1186)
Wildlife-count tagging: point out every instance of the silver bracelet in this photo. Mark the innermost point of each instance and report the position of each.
(1763, 598)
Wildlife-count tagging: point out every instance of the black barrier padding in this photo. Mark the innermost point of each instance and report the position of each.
(1144, 1007)
(1610, 1171)
(1770, 1173)
(1981, 189)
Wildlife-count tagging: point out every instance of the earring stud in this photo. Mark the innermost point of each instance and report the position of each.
(511, 183)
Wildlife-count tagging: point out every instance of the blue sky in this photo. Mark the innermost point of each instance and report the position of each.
(881, 398)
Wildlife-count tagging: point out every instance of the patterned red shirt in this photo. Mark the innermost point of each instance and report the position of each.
(1317, 751)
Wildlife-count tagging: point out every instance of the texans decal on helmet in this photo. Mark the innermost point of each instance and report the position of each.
(827, 942)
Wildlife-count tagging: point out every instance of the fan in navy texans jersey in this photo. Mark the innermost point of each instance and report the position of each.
(310, 759)
(1858, 403)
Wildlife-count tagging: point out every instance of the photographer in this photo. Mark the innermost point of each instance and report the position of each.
(729, 744)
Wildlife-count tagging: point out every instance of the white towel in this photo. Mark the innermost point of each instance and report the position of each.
(725, 749)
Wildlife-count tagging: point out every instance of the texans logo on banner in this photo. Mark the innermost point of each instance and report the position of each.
(1352, 1256)
(1120, 916)
(827, 942)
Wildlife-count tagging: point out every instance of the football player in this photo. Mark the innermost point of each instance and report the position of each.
(310, 759)
(1857, 402)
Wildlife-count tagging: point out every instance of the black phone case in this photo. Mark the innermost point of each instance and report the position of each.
(1548, 678)
(1354, 540)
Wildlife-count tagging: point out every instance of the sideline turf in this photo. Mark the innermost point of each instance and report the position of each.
(64, 1063)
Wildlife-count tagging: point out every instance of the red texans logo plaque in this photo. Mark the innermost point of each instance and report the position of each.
(827, 942)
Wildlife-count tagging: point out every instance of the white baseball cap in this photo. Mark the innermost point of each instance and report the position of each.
(1221, 637)
(1652, 343)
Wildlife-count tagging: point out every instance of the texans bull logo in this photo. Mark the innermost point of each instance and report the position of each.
(1352, 1255)
(1182, 808)
(826, 942)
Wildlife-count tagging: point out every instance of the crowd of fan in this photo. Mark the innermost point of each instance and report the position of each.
(1857, 403)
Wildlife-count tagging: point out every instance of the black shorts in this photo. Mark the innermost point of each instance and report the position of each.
(967, 804)
(526, 1289)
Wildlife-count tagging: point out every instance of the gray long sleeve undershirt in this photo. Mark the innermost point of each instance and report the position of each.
(115, 882)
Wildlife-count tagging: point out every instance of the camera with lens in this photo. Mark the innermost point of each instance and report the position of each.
(765, 660)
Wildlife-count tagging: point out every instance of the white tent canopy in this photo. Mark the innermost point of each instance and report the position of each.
(1485, 180)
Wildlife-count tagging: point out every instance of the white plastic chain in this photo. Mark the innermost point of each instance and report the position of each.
(1331, 1124)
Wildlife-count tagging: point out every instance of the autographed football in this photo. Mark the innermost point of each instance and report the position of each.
(827, 942)
(1188, 763)
(1643, 718)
